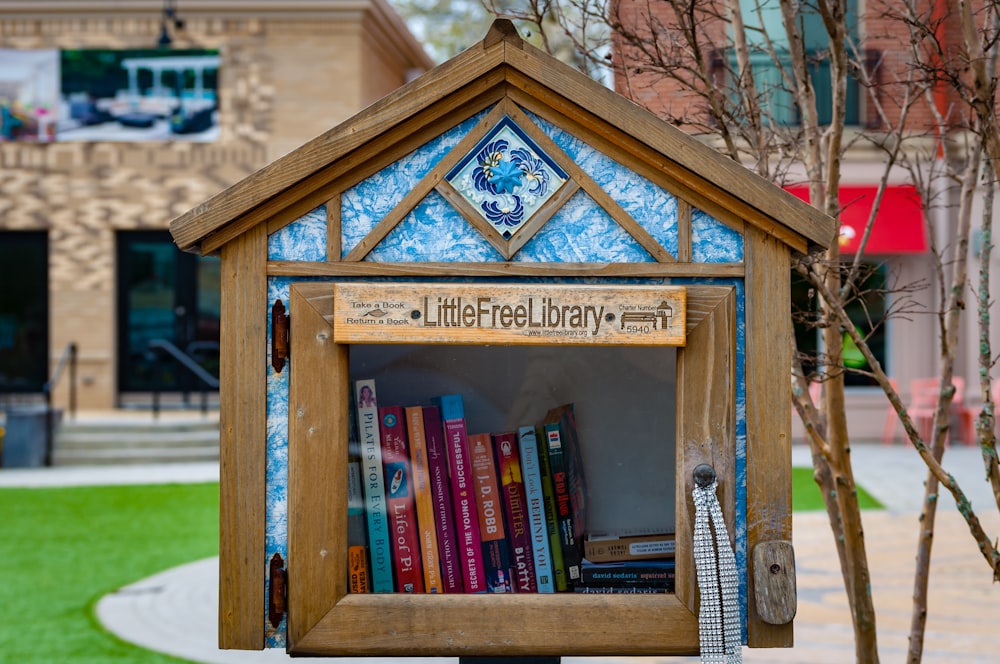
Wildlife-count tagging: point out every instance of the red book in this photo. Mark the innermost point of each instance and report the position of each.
(399, 501)
(444, 519)
(489, 502)
(515, 504)
(463, 495)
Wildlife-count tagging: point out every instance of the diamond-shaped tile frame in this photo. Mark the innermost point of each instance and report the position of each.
(507, 178)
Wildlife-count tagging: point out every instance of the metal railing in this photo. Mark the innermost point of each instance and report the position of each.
(207, 381)
(68, 359)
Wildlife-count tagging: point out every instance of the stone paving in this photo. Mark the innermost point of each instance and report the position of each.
(176, 611)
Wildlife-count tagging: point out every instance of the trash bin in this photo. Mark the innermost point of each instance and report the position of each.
(24, 439)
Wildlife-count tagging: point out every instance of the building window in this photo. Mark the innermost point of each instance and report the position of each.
(24, 311)
(767, 68)
(867, 308)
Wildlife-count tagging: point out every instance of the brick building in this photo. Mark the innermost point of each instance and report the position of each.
(900, 248)
(85, 256)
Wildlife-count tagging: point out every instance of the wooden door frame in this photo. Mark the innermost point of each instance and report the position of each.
(324, 619)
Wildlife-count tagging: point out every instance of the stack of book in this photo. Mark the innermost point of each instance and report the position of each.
(640, 563)
(450, 511)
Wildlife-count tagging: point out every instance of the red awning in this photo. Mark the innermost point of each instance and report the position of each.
(899, 225)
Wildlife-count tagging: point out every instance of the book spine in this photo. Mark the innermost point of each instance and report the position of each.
(357, 564)
(613, 549)
(551, 516)
(576, 481)
(373, 486)
(611, 590)
(356, 537)
(564, 508)
(444, 520)
(463, 494)
(489, 504)
(537, 528)
(424, 501)
(515, 503)
(649, 577)
(399, 500)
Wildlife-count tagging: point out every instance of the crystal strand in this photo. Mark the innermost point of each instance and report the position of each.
(709, 617)
(719, 624)
(730, 586)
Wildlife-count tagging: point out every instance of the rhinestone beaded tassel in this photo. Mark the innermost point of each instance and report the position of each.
(719, 615)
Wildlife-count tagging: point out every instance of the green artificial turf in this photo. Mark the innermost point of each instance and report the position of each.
(806, 496)
(63, 549)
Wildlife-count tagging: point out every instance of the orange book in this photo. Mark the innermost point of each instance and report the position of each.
(357, 563)
(426, 528)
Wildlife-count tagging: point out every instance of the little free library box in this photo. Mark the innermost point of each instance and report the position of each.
(506, 231)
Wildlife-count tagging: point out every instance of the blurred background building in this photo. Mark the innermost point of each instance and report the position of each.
(119, 116)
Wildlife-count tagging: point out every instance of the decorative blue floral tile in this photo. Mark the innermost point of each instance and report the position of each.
(506, 177)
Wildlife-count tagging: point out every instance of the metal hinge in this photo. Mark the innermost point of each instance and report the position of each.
(277, 598)
(280, 324)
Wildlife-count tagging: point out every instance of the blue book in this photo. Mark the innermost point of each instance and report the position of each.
(528, 446)
(373, 485)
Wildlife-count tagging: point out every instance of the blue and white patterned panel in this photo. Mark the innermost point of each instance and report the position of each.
(276, 464)
(582, 231)
(506, 177)
(653, 208)
(434, 231)
(302, 240)
(712, 241)
(365, 204)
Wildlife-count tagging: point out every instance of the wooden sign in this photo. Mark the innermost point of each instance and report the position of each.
(524, 314)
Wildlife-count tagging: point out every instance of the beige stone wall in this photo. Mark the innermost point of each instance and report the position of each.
(289, 72)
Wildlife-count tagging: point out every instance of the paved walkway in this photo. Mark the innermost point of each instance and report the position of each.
(176, 611)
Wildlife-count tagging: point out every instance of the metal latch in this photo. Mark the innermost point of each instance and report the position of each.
(280, 324)
(277, 598)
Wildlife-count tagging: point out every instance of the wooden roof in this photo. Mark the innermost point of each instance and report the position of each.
(504, 66)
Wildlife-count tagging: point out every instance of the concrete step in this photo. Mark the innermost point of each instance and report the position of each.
(133, 455)
(128, 437)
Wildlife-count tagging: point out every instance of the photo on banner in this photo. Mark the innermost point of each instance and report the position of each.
(131, 95)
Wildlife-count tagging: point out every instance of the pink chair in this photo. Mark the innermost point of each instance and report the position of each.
(891, 419)
(924, 394)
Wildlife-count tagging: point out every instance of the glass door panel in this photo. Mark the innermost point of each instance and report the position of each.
(24, 311)
(164, 295)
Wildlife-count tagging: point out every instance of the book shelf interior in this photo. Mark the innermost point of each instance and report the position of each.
(624, 401)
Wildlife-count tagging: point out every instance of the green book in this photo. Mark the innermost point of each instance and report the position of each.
(551, 517)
